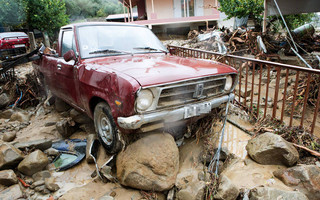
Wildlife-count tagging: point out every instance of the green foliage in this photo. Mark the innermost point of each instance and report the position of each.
(80, 9)
(46, 15)
(241, 8)
(294, 21)
(12, 13)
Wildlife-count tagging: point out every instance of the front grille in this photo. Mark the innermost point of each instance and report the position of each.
(190, 91)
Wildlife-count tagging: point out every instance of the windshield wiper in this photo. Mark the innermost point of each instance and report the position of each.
(151, 49)
(109, 51)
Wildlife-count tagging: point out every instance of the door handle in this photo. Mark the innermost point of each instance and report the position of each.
(59, 66)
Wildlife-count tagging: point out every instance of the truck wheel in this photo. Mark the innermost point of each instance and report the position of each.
(106, 128)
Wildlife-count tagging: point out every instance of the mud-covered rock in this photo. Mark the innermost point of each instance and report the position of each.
(66, 127)
(272, 149)
(226, 190)
(51, 185)
(12, 192)
(194, 191)
(305, 178)
(79, 117)
(8, 177)
(9, 156)
(267, 193)
(34, 162)
(20, 116)
(4, 100)
(187, 176)
(150, 163)
(42, 144)
(6, 114)
(9, 136)
(41, 175)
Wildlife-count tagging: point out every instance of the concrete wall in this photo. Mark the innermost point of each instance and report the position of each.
(162, 9)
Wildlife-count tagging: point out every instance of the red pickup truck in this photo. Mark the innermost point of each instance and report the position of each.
(13, 43)
(122, 77)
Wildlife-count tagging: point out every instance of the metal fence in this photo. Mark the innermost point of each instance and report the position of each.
(287, 85)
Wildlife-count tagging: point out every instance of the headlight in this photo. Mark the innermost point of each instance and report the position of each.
(144, 100)
(228, 84)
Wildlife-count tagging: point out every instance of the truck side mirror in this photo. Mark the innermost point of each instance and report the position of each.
(69, 55)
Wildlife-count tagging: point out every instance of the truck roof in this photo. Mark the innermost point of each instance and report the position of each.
(99, 23)
(12, 34)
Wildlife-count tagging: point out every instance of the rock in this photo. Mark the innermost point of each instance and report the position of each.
(226, 190)
(305, 178)
(187, 176)
(41, 175)
(272, 149)
(52, 152)
(66, 127)
(9, 136)
(35, 144)
(12, 192)
(4, 100)
(243, 93)
(47, 124)
(37, 184)
(40, 188)
(106, 197)
(194, 191)
(106, 172)
(6, 114)
(267, 193)
(90, 139)
(9, 156)
(150, 163)
(19, 116)
(33, 163)
(61, 106)
(79, 117)
(8, 177)
(51, 185)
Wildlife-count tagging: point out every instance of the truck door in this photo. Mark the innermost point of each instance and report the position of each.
(66, 71)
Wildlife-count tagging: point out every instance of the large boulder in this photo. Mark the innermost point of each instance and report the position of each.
(150, 163)
(42, 144)
(226, 190)
(8, 177)
(9, 156)
(33, 163)
(12, 192)
(272, 149)
(267, 193)
(194, 191)
(305, 178)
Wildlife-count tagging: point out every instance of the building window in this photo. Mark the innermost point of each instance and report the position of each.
(187, 8)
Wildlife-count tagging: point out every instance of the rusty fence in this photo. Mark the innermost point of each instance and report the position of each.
(268, 88)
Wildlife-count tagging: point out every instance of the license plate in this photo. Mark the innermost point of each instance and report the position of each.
(19, 45)
(196, 110)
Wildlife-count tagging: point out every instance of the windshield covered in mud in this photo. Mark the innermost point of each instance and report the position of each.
(97, 41)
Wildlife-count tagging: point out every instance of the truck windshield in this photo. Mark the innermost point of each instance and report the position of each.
(100, 40)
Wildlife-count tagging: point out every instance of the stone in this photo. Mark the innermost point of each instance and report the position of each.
(37, 184)
(40, 188)
(9, 156)
(66, 127)
(305, 178)
(35, 144)
(150, 163)
(61, 106)
(90, 139)
(243, 93)
(6, 114)
(79, 117)
(41, 175)
(51, 185)
(34, 162)
(4, 100)
(47, 124)
(267, 193)
(106, 173)
(106, 197)
(52, 152)
(19, 116)
(187, 176)
(8, 177)
(272, 149)
(226, 189)
(9, 136)
(194, 191)
(12, 192)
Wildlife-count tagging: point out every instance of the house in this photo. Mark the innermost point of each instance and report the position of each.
(174, 16)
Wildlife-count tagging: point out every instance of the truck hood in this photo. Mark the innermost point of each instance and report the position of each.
(155, 69)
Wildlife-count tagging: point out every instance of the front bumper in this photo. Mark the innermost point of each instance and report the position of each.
(136, 121)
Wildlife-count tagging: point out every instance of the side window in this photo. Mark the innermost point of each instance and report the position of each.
(67, 42)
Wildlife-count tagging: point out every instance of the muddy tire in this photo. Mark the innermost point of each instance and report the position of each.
(106, 128)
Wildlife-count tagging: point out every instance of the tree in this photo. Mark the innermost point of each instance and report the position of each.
(241, 8)
(12, 13)
(46, 15)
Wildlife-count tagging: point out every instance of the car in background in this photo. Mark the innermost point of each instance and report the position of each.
(12, 44)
